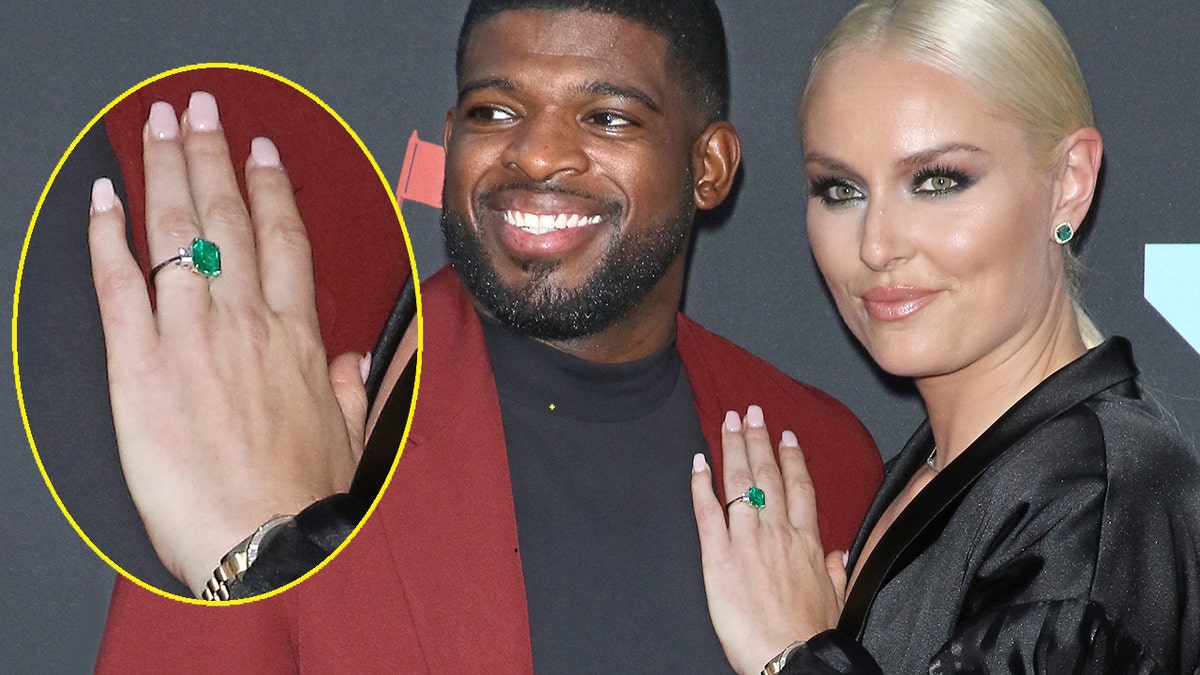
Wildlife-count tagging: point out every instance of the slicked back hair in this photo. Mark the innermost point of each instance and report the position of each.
(692, 28)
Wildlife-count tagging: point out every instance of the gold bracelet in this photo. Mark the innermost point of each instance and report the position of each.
(776, 664)
(239, 559)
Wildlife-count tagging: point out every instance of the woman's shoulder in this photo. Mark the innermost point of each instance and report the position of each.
(1142, 448)
(1113, 438)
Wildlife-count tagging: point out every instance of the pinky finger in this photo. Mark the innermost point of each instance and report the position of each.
(125, 312)
(710, 515)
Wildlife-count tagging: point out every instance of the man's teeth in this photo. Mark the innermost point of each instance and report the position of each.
(542, 223)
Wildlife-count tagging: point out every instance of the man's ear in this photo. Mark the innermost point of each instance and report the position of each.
(448, 128)
(1078, 176)
(715, 159)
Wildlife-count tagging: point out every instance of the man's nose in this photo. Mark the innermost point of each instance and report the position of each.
(545, 145)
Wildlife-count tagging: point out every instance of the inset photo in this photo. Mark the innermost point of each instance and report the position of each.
(216, 287)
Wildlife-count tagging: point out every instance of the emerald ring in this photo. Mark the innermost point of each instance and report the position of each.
(754, 497)
(202, 257)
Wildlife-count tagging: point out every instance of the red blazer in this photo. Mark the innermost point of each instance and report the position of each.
(434, 580)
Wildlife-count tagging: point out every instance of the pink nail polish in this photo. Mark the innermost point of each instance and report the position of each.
(698, 463)
(162, 122)
(104, 198)
(202, 112)
(263, 153)
(789, 440)
(754, 417)
(364, 367)
(732, 421)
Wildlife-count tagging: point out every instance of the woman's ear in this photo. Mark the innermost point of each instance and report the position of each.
(1078, 175)
(715, 159)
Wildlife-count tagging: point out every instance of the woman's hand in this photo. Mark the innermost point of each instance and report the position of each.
(225, 410)
(768, 580)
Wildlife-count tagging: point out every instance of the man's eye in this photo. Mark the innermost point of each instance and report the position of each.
(490, 113)
(610, 120)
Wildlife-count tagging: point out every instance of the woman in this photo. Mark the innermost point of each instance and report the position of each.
(1042, 519)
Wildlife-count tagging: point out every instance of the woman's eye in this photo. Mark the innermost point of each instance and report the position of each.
(938, 184)
(937, 181)
(833, 191)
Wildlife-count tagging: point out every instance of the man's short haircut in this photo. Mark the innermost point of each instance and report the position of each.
(693, 30)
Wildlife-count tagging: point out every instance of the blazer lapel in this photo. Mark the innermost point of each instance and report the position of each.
(924, 518)
(453, 532)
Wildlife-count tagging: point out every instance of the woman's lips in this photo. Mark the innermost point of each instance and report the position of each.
(896, 303)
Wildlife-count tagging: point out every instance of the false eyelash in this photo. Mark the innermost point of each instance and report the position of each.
(961, 178)
(819, 188)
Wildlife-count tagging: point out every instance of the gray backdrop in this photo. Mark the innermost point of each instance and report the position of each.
(386, 68)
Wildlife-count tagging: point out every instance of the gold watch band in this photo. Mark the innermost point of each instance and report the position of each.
(776, 664)
(239, 559)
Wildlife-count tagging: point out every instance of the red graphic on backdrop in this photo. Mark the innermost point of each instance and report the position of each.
(421, 173)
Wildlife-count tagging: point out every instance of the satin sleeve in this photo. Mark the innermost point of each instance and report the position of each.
(1060, 636)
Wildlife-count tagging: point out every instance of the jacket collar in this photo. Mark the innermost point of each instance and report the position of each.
(923, 519)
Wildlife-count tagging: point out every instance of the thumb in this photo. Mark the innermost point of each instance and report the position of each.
(346, 374)
(835, 565)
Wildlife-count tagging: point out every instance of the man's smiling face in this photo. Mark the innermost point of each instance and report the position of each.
(569, 182)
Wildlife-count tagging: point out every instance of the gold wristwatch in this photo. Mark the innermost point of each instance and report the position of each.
(776, 664)
(239, 559)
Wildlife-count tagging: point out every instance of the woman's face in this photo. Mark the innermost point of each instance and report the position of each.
(927, 216)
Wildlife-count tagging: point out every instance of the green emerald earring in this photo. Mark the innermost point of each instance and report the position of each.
(1063, 233)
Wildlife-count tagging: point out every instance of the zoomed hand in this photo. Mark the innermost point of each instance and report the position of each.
(768, 580)
(225, 410)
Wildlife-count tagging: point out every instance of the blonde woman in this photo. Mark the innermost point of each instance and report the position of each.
(1042, 519)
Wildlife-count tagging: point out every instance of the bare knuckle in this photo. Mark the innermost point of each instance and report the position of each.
(251, 324)
(177, 222)
(289, 238)
(228, 210)
(116, 283)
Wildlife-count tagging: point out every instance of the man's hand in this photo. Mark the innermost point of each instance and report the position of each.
(225, 411)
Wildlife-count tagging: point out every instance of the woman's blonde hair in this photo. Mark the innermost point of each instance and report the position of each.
(1013, 50)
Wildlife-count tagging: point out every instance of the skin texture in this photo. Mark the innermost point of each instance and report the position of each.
(531, 116)
(224, 409)
(938, 193)
(933, 228)
(577, 113)
(569, 103)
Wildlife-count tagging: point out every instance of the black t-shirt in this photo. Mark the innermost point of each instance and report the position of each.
(600, 459)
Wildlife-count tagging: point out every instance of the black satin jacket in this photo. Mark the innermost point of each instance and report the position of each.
(1066, 539)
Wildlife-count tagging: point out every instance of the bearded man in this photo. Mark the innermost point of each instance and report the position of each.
(540, 517)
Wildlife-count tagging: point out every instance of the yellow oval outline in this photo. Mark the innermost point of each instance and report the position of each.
(17, 300)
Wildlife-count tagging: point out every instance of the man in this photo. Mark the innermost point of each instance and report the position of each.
(541, 518)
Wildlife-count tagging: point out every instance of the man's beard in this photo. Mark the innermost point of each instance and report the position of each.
(632, 265)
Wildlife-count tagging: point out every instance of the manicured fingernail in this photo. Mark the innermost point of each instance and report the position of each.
(845, 558)
(162, 122)
(754, 417)
(263, 153)
(698, 463)
(364, 367)
(103, 195)
(202, 112)
(789, 440)
(732, 421)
